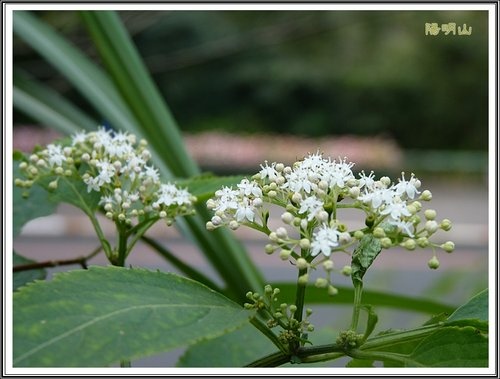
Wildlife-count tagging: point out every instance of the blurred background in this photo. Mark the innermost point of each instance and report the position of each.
(251, 86)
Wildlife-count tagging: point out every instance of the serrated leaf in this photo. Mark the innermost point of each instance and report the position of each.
(453, 347)
(475, 309)
(22, 277)
(25, 209)
(102, 315)
(363, 256)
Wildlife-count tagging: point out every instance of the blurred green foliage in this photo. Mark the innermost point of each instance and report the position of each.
(311, 73)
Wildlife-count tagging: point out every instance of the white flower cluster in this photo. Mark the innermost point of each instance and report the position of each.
(312, 192)
(114, 165)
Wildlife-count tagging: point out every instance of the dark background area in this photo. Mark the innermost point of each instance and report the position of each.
(308, 73)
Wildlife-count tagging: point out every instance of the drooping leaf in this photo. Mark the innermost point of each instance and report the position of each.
(100, 316)
(22, 277)
(363, 256)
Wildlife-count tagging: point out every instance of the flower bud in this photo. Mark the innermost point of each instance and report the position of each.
(210, 226)
(303, 279)
(386, 242)
(426, 195)
(268, 289)
(303, 224)
(162, 214)
(412, 209)
(378, 232)
(347, 270)
(310, 328)
(269, 249)
(53, 185)
(216, 220)
(417, 205)
(358, 234)
(423, 242)
(322, 216)
(296, 198)
(272, 194)
(409, 244)
(293, 308)
(385, 180)
(302, 264)
(273, 237)
(433, 263)
(281, 233)
(109, 215)
(328, 265)
(285, 254)
(354, 192)
(448, 246)
(279, 167)
(321, 283)
(305, 244)
(233, 225)
(445, 224)
(332, 291)
(430, 214)
(287, 218)
(431, 226)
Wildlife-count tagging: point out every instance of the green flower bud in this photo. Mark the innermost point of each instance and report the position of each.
(328, 265)
(386, 242)
(272, 194)
(305, 244)
(302, 264)
(423, 242)
(433, 263)
(417, 205)
(358, 234)
(53, 185)
(309, 312)
(293, 308)
(332, 291)
(448, 246)
(268, 289)
(445, 224)
(412, 209)
(296, 198)
(233, 225)
(321, 283)
(409, 244)
(430, 214)
(287, 218)
(303, 279)
(310, 328)
(281, 233)
(378, 232)
(210, 226)
(269, 249)
(426, 195)
(431, 226)
(285, 254)
(385, 180)
(347, 270)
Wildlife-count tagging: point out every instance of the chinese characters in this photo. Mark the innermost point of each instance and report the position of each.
(433, 29)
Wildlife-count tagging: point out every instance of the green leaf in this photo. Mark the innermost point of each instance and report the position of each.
(39, 203)
(204, 186)
(20, 278)
(47, 107)
(363, 256)
(453, 347)
(100, 316)
(380, 299)
(475, 309)
(360, 363)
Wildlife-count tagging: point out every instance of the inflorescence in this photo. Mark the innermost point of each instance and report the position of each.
(312, 193)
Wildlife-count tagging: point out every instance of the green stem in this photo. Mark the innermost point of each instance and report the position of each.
(272, 360)
(139, 232)
(122, 244)
(383, 356)
(125, 363)
(358, 290)
(299, 297)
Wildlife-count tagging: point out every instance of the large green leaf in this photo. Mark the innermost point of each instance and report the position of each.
(453, 347)
(100, 316)
(363, 257)
(475, 309)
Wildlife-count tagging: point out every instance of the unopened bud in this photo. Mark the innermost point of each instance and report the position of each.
(210, 226)
(445, 225)
(386, 242)
(378, 232)
(269, 249)
(303, 279)
(296, 198)
(423, 242)
(287, 218)
(358, 234)
(233, 225)
(302, 264)
(426, 195)
(281, 233)
(347, 270)
(430, 214)
(448, 246)
(328, 265)
(354, 192)
(332, 291)
(53, 185)
(321, 283)
(431, 226)
(305, 244)
(433, 263)
(285, 254)
(410, 244)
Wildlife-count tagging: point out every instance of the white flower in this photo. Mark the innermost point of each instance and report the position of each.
(378, 197)
(248, 188)
(55, 155)
(245, 211)
(396, 209)
(366, 181)
(169, 194)
(78, 138)
(311, 205)
(150, 173)
(106, 172)
(339, 173)
(405, 226)
(268, 172)
(324, 240)
(407, 187)
(227, 199)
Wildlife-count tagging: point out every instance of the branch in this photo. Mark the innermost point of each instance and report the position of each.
(82, 261)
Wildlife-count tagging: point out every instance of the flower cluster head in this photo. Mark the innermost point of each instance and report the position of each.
(114, 167)
(312, 194)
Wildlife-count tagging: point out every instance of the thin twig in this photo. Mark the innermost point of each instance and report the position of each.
(82, 261)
